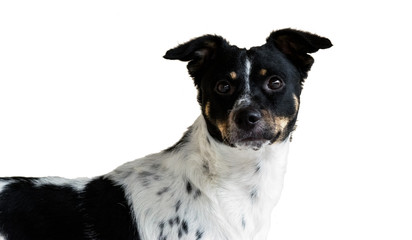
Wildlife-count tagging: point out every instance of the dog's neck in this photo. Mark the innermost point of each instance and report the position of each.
(228, 192)
(220, 161)
(246, 183)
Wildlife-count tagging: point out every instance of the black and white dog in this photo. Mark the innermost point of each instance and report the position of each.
(220, 181)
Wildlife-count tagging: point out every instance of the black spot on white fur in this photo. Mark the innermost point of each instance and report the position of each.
(253, 194)
(243, 222)
(177, 205)
(197, 194)
(155, 167)
(206, 168)
(145, 178)
(185, 227)
(161, 227)
(257, 169)
(189, 187)
(163, 190)
(199, 235)
(177, 220)
(171, 222)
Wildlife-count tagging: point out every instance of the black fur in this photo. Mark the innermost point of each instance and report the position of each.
(108, 213)
(47, 212)
(50, 212)
(297, 44)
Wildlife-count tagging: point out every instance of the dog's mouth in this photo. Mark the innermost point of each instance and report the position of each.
(252, 142)
(252, 139)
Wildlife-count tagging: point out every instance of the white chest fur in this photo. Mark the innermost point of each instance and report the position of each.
(205, 189)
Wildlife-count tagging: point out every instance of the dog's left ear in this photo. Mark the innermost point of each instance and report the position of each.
(296, 45)
(198, 52)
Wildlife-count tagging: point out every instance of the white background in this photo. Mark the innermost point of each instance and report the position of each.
(84, 88)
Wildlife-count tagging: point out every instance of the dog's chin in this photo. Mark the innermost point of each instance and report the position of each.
(251, 143)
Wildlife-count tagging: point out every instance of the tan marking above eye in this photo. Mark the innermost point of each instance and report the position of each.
(233, 75)
(263, 72)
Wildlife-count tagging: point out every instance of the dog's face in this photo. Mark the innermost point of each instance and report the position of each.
(250, 98)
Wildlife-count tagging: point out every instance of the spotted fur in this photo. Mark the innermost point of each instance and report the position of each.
(220, 181)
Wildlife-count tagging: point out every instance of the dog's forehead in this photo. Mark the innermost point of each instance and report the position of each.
(234, 59)
(260, 61)
(268, 58)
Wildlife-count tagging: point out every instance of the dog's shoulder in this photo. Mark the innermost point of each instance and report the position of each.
(167, 203)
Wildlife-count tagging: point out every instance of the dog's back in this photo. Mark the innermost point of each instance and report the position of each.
(56, 208)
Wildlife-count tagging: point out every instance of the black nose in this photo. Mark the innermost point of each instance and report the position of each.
(247, 118)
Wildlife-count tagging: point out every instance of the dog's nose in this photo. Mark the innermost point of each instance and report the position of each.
(247, 118)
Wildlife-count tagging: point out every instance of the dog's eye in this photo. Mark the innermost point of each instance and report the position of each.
(274, 83)
(224, 87)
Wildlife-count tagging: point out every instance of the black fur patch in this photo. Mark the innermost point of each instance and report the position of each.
(47, 212)
(50, 212)
(108, 211)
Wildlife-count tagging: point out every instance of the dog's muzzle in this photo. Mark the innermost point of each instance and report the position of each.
(249, 128)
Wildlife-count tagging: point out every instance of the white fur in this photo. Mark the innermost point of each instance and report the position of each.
(245, 97)
(226, 177)
(3, 184)
(77, 184)
(248, 67)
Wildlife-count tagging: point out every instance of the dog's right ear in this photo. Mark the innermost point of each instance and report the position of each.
(198, 52)
(297, 45)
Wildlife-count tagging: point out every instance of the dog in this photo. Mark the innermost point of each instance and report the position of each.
(220, 181)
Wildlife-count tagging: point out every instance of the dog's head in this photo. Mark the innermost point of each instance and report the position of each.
(250, 97)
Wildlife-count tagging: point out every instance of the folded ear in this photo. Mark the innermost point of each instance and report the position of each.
(297, 44)
(198, 52)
